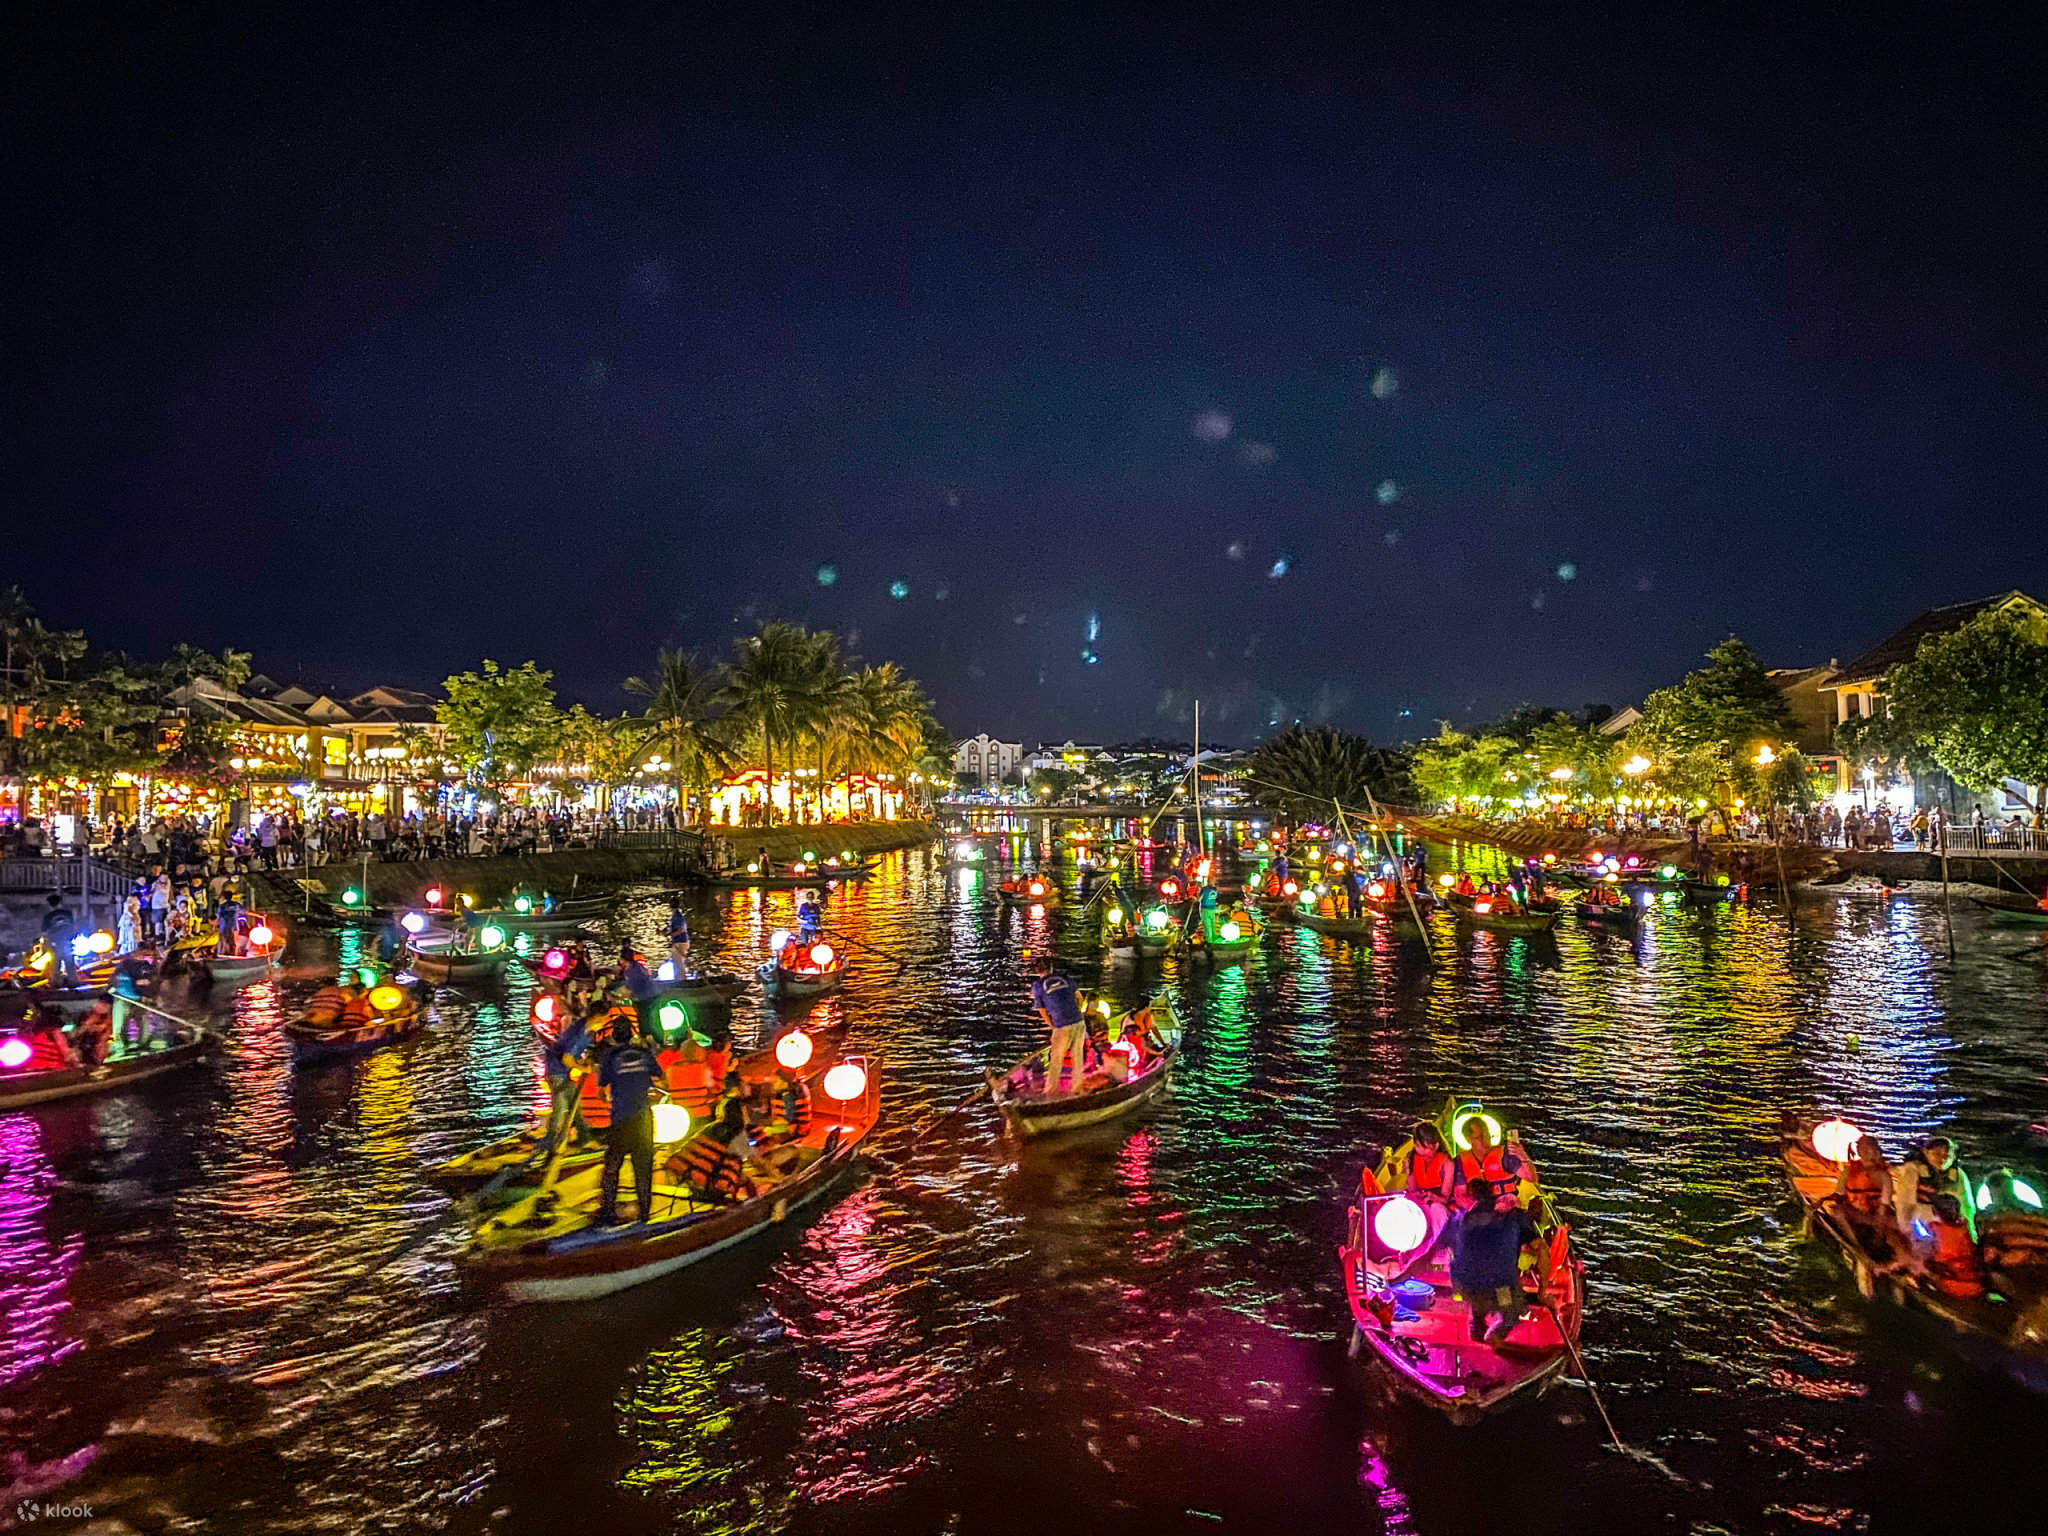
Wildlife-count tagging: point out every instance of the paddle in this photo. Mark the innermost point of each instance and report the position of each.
(1579, 1364)
(902, 961)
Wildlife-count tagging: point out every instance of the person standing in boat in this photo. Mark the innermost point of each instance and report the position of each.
(59, 928)
(809, 918)
(679, 939)
(1060, 1006)
(642, 988)
(562, 1061)
(628, 1073)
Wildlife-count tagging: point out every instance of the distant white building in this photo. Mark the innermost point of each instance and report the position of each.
(988, 761)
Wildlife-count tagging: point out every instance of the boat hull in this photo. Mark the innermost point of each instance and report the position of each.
(1045, 1114)
(313, 1044)
(445, 969)
(20, 1090)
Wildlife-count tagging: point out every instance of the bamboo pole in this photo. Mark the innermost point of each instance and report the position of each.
(1948, 919)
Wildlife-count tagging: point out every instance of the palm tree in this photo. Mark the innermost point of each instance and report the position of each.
(768, 689)
(683, 714)
(1307, 771)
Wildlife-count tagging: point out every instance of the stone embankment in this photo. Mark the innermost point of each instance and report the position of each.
(491, 879)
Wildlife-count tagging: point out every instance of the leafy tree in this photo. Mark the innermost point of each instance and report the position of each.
(1453, 767)
(684, 717)
(1705, 733)
(500, 723)
(1053, 783)
(1884, 744)
(1307, 771)
(1977, 697)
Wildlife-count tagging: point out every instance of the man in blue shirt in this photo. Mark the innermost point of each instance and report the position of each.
(808, 917)
(628, 1073)
(679, 939)
(560, 1060)
(640, 986)
(1060, 1006)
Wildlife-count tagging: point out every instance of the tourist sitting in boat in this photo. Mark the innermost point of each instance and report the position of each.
(1483, 1162)
(1466, 886)
(1430, 1165)
(326, 1005)
(356, 1007)
(1059, 1005)
(792, 1108)
(1864, 1188)
(1952, 1262)
(718, 1162)
(1919, 1180)
(92, 1037)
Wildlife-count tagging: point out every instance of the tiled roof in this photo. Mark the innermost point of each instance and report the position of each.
(1900, 645)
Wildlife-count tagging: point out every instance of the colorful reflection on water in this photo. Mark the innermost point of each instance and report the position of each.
(234, 1293)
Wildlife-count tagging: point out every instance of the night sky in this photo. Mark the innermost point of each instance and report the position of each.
(1370, 375)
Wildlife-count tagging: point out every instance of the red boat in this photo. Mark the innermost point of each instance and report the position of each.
(1420, 1329)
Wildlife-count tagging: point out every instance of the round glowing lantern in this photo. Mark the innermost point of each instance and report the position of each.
(666, 971)
(1037, 887)
(1836, 1139)
(555, 960)
(492, 936)
(1401, 1224)
(845, 1081)
(753, 868)
(1230, 932)
(523, 904)
(671, 1122)
(435, 896)
(1482, 906)
(387, 999)
(100, 943)
(1668, 871)
(821, 955)
(2026, 1194)
(261, 935)
(1445, 881)
(1458, 1128)
(1155, 919)
(1376, 891)
(367, 976)
(793, 1050)
(15, 1052)
(351, 897)
(810, 857)
(672, 1016)
(1290, 889)
(778, 939)
(545, 1008)
(1550, 858)
(412, 922)
(1169, 889)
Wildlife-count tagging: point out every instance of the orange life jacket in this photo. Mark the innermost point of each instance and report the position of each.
(326, 1005)
(1863, 1189)
(704, 1164)
(355, 1011)
(1954, 1266)
(1426, 1169)
(1493, 1168)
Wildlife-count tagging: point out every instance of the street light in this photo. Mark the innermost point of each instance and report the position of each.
(1765, 756)
(1638, 764)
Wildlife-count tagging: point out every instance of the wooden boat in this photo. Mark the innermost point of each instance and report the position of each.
(789, 879)
(1500, 915)
(453, 967)
(1334, 927)
(241, 968)
(540, 924)
(548, 1247)
(2005, 1334)
(1030, 1111)
(1621, 916)
(1206, 943)
(778, 980)
(1019, 893)
(1704, 893)
(26, 1084)
(314, 1043)
(706, 987)
(188, 952)
(2013, 911)
(1420, 1332)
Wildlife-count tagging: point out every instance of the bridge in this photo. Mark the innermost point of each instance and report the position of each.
(982, 811)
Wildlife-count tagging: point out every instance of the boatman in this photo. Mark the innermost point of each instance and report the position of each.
(641, 987)
(560, 1061)
(808, 916)
(679, 939)
(1060, 1006)
(628, 1073)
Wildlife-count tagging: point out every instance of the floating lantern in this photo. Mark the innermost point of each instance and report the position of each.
(412, 922)
(845, 1081)
(671, 1122)
(1229, 932)
(1401, 1224)
(15, 1052)
(387, 998)
(261, 935)
(492, 936)
(545, 1008)
(793, 1049)
(821, 955)
(1835, 1139)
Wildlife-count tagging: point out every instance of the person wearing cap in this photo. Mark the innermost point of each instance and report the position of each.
(1060, 1006)
(628, 1074)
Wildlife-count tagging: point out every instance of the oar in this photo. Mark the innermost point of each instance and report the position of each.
(902, 961)
(1579, 1364)
(938, 1120)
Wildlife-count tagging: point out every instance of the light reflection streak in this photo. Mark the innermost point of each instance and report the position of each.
(35, 1272)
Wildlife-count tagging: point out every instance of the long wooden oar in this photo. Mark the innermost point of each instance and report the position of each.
(1579, 1364)
(902, 961)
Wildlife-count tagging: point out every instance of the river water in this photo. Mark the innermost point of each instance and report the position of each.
(229, 1304)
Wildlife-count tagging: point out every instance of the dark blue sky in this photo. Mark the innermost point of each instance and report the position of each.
(1308, 360)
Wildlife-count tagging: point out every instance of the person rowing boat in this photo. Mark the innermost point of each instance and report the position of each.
(1059, 1005)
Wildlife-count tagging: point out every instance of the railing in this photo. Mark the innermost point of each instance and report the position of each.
(47, 874)
(1996, 840)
